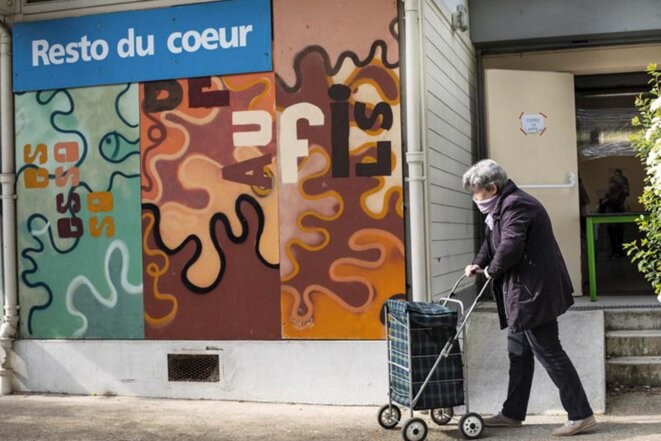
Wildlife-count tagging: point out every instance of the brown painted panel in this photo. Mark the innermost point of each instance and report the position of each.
(341, 208)
(210, 208)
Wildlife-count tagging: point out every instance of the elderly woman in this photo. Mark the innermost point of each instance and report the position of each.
(532, 288)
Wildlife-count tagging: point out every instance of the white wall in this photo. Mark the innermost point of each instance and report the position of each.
(329, 372)
(451, 140)
(582, 337)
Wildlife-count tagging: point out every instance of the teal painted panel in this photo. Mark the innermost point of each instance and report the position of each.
(78, 213)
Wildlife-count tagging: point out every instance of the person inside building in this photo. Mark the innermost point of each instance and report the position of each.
(532, 288)
(614, 202)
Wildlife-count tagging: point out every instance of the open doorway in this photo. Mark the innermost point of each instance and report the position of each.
(601, 78)
(611, 176)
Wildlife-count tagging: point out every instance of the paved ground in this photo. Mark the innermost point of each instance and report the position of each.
(632, 416)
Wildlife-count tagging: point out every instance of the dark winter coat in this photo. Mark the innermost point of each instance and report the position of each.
(532, 285)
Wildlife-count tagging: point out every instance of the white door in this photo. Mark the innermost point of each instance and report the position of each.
(531, 132)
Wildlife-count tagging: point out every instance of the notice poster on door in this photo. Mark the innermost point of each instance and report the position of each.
(533, 124)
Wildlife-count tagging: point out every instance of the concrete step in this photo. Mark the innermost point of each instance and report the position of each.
(634, 371)
(633, 319)
(646, 342)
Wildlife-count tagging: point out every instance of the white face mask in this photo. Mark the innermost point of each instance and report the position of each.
(487, 205)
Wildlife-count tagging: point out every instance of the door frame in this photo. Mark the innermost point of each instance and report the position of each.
(546, 50)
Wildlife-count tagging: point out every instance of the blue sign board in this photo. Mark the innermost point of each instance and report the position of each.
(219, 38)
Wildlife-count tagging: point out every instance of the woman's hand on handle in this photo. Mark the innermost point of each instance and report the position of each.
(471, 270)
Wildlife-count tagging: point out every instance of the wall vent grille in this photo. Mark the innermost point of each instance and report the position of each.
(202, 368)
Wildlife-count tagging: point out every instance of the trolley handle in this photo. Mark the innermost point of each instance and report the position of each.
(465, 314)
(451, 294)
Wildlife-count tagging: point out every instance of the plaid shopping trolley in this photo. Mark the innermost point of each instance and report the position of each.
(426, 367)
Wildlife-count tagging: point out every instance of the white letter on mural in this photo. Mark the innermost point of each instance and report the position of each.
(126, 46)
(39, 49)
(245, 30)
(259, 137)
(289, 145)
(171, 42)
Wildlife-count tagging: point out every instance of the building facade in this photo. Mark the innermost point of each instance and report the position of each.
(255, 220)
(242, 225)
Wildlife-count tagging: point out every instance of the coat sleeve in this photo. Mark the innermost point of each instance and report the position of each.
(482, 258)
(514, 224)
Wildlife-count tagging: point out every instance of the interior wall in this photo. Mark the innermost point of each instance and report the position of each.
(596, 173)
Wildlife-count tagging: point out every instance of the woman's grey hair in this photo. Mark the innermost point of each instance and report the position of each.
(484, 173)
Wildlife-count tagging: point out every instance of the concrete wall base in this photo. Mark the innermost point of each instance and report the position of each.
(327, 372)
(5, 382)
(582, 337)
(5, 371)
(314, 372)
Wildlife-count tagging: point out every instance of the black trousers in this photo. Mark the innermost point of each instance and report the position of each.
(542, 343)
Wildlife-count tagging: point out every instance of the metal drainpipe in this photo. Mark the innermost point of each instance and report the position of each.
(9, 328)
(415, 155)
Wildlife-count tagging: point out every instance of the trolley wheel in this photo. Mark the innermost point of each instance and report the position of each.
(442, 416)
(471, 426)
(389, 416)
(415, 429)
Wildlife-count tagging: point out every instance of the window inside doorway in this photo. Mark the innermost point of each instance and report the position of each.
(611, 176)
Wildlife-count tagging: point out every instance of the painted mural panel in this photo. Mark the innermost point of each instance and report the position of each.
(78, 189)
(341, 217)
(254, 206)
(210, 208)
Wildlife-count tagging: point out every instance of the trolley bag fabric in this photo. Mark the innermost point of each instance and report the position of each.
(432, 325)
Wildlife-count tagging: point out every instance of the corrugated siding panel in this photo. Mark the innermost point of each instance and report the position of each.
(450, 83)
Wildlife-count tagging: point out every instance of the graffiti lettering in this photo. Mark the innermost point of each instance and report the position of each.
(291, 146)
(250, 172)
(253, 172)
(107, 223)
(35, 177)
(340, 129)
(101, 202)
(69, 201)
(261, 137)
(198, 97)
(62, 176)
(383, 164)
(41, 152)
(70, 227)
(366, 122)
(66, 152)
(72, 203)
(155, 102)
